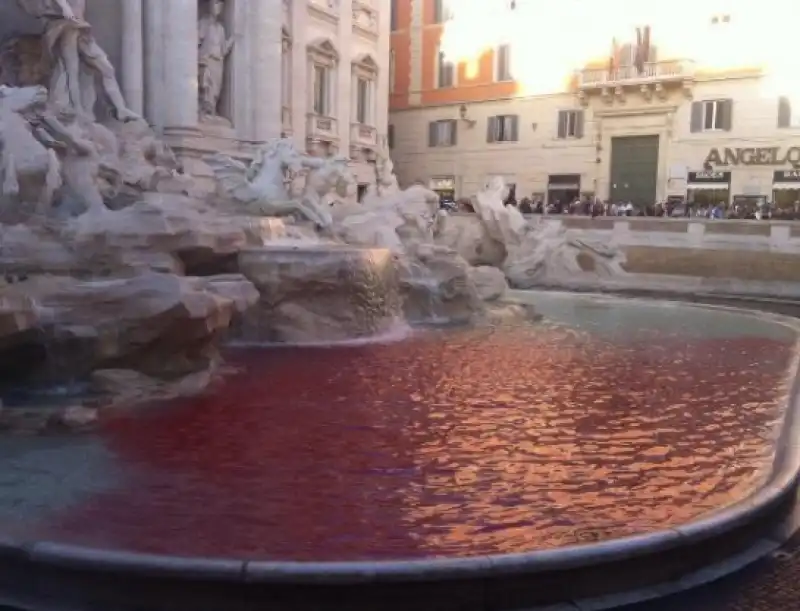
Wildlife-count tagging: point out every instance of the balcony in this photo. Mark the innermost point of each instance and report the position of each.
(677, 71)
(325, 129)
(363, 136)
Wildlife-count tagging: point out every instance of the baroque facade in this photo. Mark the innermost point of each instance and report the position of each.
(631, 127)
(225, 75)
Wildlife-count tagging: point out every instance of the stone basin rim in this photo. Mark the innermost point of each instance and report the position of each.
(781, 483)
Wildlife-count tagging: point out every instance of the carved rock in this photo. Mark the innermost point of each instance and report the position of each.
(157, 324)
(320, 293)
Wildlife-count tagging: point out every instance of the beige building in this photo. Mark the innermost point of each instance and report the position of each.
(644, 139)
(633, 126)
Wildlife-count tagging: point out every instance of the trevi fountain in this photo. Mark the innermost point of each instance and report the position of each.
(274, 372)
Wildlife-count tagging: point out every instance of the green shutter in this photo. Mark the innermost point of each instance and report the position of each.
(696, 124)
(784, 112)
(562, 124)
(579, 124)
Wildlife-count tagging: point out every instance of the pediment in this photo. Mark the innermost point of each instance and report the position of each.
(366, 62)
(324, 46)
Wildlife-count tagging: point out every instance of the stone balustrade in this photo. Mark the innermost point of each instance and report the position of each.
(689, 255)
(363, 135)
(322, 128)
(676, 69)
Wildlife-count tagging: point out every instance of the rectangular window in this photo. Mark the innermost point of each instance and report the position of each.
(503, 128)
(446, 72)
(286, 79)
(441, 11)
(392, 70)
(362, 101)
(390, 136)
(788, 113)
(570, 124)
(442, 133)
(712, 115)
(394, 15)
(503, 68)
(322, 96)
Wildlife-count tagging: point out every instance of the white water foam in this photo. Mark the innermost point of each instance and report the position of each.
(399, 331)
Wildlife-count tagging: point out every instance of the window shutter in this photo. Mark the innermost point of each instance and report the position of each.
(432, 133)
(784, 112)
(454, 132)
(490, 128)
(696, 124)
(579, 124)
(562, 124)
(515, 128)
(727, 115)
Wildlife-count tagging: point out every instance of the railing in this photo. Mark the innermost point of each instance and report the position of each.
(363, 135)
(322, 127)
(651, 72)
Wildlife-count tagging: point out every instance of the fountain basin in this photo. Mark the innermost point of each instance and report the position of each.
(319, 293)
(480, 536)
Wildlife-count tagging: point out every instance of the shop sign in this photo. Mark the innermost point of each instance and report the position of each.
(710, 176)
(767, 156)
(443, 184)
(786, 176)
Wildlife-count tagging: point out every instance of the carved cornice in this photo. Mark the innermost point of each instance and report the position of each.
(323, 51)
(366, 66)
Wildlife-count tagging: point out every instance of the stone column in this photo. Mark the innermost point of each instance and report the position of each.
(300, 32)
(133, 54)
(266, 58)
(154, 62)
(380, 105)
(179, 43)
(345, 75)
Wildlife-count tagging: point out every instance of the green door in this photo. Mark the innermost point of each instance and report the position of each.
(634, 169)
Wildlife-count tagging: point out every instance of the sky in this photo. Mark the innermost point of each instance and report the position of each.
(551, 39)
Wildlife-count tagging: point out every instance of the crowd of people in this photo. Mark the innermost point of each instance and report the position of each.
(673, 208)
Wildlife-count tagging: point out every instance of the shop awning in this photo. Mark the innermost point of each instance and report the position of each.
(786, 186)
(563, 187)
(708, 186)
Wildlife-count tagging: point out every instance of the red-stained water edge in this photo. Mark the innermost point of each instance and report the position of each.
(454, 443)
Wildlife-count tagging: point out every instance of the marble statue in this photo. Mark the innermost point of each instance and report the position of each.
(385, 178)
(327, 176)
(79, 59)
(30, 170)
(214, 46)
(529, 255)
(261, 187)
(82, 165)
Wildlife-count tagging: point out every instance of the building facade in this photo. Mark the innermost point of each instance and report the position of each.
(225, 75)
(634, 127)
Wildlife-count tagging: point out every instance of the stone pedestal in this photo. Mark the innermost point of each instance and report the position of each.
(320, 293)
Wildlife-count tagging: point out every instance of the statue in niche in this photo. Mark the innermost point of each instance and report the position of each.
(78, 57)
(214, 46)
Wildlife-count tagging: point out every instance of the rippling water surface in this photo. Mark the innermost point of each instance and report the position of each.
(617, 419)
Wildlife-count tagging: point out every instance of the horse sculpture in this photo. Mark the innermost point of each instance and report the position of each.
(261, 186)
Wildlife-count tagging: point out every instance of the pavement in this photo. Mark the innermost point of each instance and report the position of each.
(772, 584)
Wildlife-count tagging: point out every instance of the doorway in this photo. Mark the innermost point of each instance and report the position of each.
(634, 169)
(361, 191)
